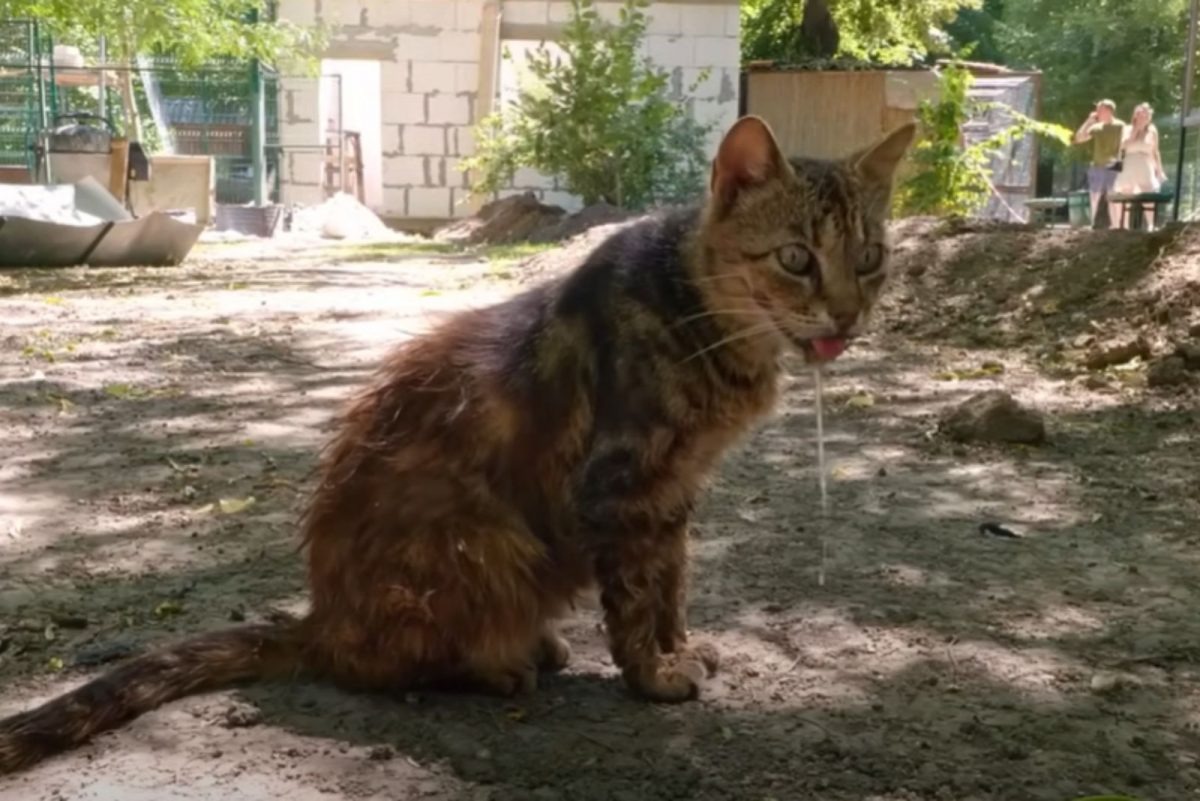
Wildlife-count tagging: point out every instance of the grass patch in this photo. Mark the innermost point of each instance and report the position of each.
(387, 251)
(506, 254)
(494, 255)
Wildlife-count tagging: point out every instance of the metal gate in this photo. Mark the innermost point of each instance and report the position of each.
(27, 93)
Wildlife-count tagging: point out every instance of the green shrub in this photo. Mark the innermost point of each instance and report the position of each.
(948, 178)
(602, 120)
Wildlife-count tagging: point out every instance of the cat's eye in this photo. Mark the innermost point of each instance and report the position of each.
(796, 259)
(871, 260)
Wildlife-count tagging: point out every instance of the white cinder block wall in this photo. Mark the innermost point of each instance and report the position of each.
(429, 53)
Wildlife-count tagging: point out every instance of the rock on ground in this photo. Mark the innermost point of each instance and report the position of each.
(994, 416)
(1114, 353)
(1168, 372)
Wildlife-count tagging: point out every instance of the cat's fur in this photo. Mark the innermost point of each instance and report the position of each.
(519, 453)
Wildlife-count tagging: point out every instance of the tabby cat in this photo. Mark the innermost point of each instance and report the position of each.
(517, 454)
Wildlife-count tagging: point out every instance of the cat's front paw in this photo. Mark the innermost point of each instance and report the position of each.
(671, 683)
(702, 653)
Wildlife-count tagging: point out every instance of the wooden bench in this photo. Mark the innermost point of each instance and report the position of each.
(1042, 209)
(1134, 206)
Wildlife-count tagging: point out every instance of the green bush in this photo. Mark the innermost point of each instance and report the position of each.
(602, 120)
(949, 179)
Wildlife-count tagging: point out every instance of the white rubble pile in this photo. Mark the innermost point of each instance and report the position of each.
(51, 204)
(340, 217)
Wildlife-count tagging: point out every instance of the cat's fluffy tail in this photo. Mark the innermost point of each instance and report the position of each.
(201, 663)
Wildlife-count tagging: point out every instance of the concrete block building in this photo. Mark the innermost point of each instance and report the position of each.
(413, 77)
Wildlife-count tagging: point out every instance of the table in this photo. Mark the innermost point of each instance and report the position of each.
(1135, 206)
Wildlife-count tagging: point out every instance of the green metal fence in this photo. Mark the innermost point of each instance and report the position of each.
(27, 91)
(206, 110)
(1189, 178)
(209, 111)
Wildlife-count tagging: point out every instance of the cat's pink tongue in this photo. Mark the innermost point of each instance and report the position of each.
(828, 348)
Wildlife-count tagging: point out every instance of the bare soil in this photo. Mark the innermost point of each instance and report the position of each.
(160, 428)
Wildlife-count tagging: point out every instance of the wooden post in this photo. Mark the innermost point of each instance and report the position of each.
(118, 172)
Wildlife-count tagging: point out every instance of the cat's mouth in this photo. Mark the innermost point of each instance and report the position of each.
(820, 349)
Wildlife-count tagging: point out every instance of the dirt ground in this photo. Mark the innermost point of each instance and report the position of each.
(160, 426)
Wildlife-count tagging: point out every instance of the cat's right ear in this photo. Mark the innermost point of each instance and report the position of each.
(748, 157)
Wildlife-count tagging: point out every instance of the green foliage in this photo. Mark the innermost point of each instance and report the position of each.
(602, 119)
(974, 33)
(193, 31)
(950, 179)
(877, 31)
(1129, 50)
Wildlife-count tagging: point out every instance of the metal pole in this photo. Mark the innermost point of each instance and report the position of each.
(258, 131)
(1189, 72)
(103, 90)
(258, 126)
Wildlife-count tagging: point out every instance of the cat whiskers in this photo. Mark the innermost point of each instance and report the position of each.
(713, 313)
(754, 331)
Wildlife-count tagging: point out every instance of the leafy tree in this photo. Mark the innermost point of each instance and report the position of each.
(192, 31)
(879, 31)
(1128, 50)
(601, 119)
(948, 177)
(974, 32)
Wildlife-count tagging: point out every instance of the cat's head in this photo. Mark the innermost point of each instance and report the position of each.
(799, 247)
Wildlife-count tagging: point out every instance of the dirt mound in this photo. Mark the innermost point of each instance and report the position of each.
(502, 222)
(582, 221)
(1064, 294)
(524, 218)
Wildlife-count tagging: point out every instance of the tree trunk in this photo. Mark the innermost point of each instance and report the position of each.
(818, 30)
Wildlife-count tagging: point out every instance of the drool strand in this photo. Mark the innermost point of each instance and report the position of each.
(821, 477)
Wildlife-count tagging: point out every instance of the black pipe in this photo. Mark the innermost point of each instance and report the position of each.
(1179, 172)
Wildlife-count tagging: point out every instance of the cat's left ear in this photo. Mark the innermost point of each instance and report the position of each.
(748, 157)
(878, 163)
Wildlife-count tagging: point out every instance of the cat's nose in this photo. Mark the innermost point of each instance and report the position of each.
(844, 320)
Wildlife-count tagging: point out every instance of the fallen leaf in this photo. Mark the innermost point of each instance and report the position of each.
(54, 663)
(861, 400)
(168, 609)
(122, 391)
(231, 506)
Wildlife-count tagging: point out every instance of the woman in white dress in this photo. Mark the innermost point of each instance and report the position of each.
(1141, 163)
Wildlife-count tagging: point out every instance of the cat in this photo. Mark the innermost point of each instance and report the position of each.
(520, 453)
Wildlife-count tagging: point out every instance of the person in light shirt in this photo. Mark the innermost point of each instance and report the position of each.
(1141, 161)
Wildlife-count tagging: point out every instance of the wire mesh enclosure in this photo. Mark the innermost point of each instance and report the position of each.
(26, 94)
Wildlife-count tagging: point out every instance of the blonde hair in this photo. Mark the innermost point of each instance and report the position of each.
(1149, 121)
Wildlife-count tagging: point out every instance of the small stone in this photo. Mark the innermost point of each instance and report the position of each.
(1112, 682)
(994, 416)
(381, 753)
(242, 716)
(1168, 372)
(1111, 354)
(1190, 353)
